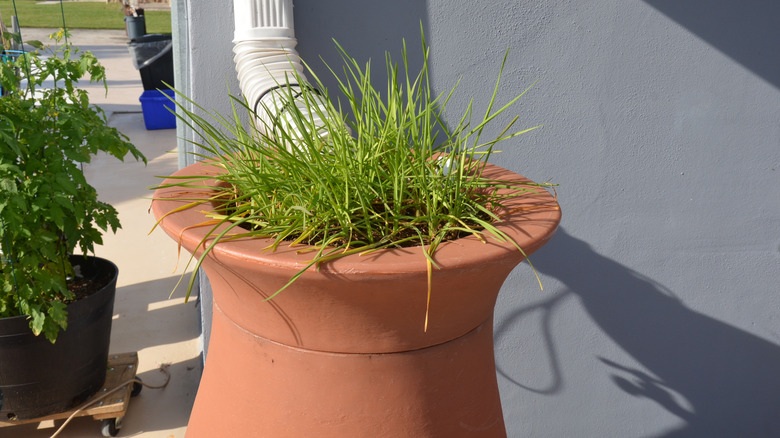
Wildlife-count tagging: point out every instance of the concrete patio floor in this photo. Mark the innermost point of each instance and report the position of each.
(163, 331)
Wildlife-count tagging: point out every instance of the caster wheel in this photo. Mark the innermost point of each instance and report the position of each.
(108, 428)
(137, 387)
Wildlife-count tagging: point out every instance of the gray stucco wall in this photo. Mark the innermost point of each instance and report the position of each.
(660, 315)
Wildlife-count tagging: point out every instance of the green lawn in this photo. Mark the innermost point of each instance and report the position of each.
(79, 15)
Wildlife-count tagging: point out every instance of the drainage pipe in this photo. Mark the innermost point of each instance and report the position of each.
(269, 68)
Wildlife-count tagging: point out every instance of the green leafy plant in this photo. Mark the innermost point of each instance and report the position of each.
(384, 170)
(47, 208)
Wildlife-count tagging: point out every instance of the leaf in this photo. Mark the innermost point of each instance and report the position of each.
(8, 185)
(58, 314)
(37, 319)
(36, 44)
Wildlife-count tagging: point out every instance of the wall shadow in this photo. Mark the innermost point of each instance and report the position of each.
(108, 51)
(547, 309)
(747, 31)
(729, 378)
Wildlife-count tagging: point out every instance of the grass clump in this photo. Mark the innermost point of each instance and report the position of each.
(383, 169)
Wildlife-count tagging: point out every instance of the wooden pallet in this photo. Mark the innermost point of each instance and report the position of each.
(112, 408)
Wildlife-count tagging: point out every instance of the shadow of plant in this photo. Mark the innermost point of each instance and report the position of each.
(720, 380)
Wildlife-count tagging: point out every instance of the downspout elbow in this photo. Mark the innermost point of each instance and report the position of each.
(268, 66)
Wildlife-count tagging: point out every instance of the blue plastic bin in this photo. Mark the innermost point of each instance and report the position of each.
(155, 104)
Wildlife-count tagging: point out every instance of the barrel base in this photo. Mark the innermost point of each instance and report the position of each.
(254, 387)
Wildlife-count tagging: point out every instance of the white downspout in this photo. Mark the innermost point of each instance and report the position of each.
(265, 57)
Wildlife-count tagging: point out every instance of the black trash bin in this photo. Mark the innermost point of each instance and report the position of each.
(152, 55)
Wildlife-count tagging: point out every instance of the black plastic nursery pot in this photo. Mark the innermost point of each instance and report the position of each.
(38, 378)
